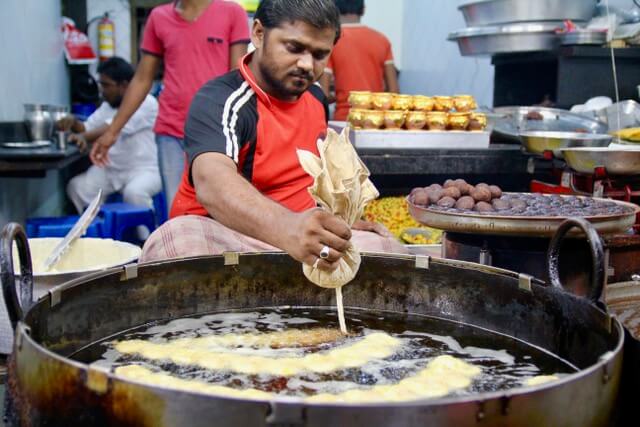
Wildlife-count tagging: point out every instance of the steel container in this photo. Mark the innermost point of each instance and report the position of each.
(38, 121)
(492, 12)
(47, 387)
(521, 37)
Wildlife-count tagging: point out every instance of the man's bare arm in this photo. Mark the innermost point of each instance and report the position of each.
(136, 93)
(391, 78)
(235, 203)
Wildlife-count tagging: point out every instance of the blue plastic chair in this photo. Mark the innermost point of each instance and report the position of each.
(159, 206)
(60, 226)
(119, 217)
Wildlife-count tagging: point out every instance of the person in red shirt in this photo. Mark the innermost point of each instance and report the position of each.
(197, 40)
(244, 188)
(362, 60)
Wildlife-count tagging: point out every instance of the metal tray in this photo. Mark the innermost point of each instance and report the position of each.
(26, 144)
(416, 140)
(510, 122)
(526, 37)
(492, 12)
(616, 162)
(531, 226)
(537, 142)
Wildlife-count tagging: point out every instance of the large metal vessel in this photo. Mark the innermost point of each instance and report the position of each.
(47, 387)
(492, 12)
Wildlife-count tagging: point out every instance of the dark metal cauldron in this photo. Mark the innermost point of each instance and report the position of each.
(46, 387)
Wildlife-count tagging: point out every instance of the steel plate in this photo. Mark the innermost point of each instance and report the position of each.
(512, 121)
(26, 144)
(531, 226)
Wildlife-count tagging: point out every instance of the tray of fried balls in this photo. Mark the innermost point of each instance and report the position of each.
(457, 206)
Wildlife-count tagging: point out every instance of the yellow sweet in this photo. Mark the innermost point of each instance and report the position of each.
(393, 213)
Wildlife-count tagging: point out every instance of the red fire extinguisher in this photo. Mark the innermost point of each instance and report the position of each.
(106, 38)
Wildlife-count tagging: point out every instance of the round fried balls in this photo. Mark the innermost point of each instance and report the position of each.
(447, 202)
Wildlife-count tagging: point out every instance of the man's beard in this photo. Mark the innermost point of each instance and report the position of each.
(279, 87)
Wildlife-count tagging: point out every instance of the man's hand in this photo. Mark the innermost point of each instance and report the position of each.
(310, 231)
(99, 152)
(79, 140)
(66, 123)
(374, 227)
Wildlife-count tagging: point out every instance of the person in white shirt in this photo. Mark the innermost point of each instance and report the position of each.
(133, 168)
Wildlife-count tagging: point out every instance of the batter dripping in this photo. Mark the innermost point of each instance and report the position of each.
(371, 347)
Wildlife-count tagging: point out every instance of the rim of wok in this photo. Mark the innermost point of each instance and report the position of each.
(603, 359)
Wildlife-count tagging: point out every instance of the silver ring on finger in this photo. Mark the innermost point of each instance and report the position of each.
(324, 253)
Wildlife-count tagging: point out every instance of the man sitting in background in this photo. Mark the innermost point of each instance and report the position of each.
(361, 60)
(133, 170)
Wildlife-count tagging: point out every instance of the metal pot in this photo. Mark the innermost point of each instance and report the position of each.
(521, 37)
(492, 12)
(537, 142)
(38, 121)
(615, 162)
(47, 387)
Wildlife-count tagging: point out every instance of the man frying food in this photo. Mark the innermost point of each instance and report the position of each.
(244, 189)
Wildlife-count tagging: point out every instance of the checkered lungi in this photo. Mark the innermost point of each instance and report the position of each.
(193, 235)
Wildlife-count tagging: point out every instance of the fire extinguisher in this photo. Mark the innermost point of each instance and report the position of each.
(106, 38)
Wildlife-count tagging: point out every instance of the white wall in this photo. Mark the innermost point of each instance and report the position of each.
(387, 17)
(433, 65)
(33, 68)
(120, 14)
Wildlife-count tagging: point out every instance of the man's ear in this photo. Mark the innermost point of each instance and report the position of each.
(257, 34)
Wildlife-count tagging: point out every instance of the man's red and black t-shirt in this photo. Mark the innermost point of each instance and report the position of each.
(234, 116)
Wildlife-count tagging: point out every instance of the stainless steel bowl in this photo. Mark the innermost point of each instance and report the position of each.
(38, 121)
(540, 141)
(616, 162)
(88, 255)
(525, 37)
(492, 12)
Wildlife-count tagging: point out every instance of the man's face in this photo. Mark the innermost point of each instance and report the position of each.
(292, 56)
(112, 92)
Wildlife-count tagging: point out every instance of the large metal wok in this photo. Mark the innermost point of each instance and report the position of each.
(615, 162)
(46, 387)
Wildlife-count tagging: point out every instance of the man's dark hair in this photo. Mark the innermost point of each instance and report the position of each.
(116, 69)
(350, 7)
(317, 13)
